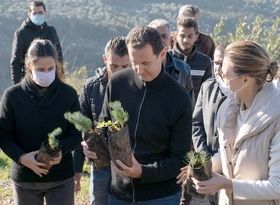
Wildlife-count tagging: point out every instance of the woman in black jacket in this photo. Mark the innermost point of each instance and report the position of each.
(29, 111)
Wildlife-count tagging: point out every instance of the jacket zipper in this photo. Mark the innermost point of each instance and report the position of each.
(135, 141)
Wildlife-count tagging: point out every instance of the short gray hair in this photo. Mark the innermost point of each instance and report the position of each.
(188, 10)
(159, 22)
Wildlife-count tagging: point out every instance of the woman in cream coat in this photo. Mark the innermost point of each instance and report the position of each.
(249, 130)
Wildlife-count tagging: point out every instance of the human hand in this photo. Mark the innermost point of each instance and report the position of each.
(56, 160)
(183, 175)
(135, 171)
(212, 185)
(89, 154)
(29, 161)
(77, 182)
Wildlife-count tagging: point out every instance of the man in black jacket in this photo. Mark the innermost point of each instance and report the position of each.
(33, 27)
(91, 99)
(160, 115)
(184, 49)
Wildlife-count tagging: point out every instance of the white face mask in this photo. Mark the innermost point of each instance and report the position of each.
(44, 79)
(223, 86)
(226, 89)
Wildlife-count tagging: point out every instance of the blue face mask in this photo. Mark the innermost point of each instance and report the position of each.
(37, 19)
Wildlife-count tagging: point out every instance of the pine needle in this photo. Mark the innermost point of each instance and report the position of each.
(53, 142)
(119, 116)
(81, 122)
(197, 159)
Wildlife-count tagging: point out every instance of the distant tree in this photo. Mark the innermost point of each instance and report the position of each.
(259, 30)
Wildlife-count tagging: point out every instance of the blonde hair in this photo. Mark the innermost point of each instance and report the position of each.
(249, 58)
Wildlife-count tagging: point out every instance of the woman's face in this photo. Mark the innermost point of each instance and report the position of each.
(232, 79)
(43, 64)
(43, 71)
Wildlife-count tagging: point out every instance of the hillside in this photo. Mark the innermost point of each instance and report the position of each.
(85, 26)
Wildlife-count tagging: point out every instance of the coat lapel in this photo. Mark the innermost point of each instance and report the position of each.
(263, 112)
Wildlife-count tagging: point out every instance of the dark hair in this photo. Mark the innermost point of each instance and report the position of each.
(140, 36)
(36, 3)
(40, 48)
(187, 22)
(116, 46)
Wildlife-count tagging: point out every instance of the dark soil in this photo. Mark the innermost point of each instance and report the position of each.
(46, 154)
(119, 147)
(98, 145)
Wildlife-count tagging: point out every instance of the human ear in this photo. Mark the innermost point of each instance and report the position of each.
(104, 59)
(163, 53)
(28, 66)
(246, 79)
(196, 36)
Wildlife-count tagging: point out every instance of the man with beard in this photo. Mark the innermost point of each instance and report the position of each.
(204, 43)
(184, 49)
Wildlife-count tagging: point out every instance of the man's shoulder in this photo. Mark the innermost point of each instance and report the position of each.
(178, 94)
(50, 28)
(174, 87)
(92, 82)
(96, 79)
(127, 73)
(23, 28)
(205, 37)
(209, 83)
(181, 64)
(202, 57)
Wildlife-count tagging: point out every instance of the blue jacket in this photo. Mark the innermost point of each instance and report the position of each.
(180, 71)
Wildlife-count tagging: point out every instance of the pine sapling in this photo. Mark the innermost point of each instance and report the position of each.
(53, 142)
(200, 167)
(93, 138)
(50, 148)
(197, 159)
(118, 134)
(119, 118)
(81, 122)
